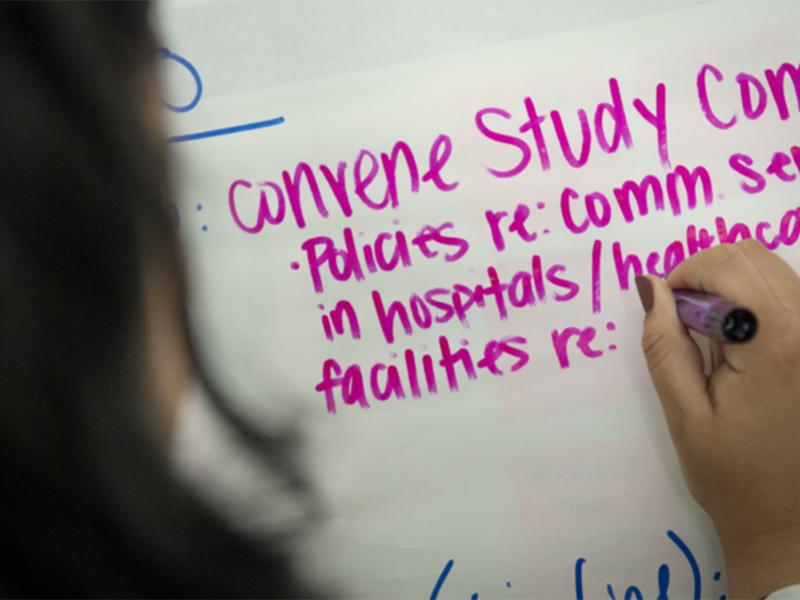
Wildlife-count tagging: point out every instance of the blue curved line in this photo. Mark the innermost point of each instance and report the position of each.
(188, 137)
(663, 582)
(690, 559)
(633, 592)
(579, 578)
(440, 582)
(169, 55)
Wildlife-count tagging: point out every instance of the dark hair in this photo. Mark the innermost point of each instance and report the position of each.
(90, 505)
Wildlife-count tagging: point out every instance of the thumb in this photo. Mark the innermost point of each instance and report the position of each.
(673, 358)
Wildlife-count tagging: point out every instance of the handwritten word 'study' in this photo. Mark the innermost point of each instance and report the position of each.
(609, 125)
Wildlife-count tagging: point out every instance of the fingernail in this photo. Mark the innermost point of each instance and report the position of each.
(645, 288)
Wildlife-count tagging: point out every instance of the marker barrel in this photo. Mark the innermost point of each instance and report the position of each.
(717, 318)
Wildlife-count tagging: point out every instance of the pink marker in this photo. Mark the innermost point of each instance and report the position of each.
(715, 317)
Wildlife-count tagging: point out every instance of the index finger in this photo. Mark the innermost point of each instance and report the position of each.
(779, 276)
(728, 272)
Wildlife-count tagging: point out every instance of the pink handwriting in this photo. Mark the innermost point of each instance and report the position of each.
(755, 182)
(628, 265)
(374, 183)
(489, 121)
(357, 384)
(753, 95)
(442, 304)
(518, 225)
(333, 322)
(386, 252)
(635, 199)
(583, 338)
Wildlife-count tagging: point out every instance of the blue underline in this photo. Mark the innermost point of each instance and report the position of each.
(188, 137)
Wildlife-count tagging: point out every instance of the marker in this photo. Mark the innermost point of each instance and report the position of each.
(715, 317)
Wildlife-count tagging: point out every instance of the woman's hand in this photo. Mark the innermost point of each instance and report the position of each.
(737, 432)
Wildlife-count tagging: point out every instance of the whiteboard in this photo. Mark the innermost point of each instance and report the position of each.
(548, 472)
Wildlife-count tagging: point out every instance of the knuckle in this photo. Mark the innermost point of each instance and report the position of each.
(749, 244)
(710, 264)
(722, 255)
(784, 344)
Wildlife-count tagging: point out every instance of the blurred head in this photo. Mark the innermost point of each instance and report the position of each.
(94, 342)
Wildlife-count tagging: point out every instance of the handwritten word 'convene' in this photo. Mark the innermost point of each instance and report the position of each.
(271, 198)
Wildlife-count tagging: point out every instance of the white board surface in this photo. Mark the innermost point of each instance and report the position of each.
(515, 477)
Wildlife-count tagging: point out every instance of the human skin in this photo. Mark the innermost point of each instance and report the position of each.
(167, 352)
(736, 431)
